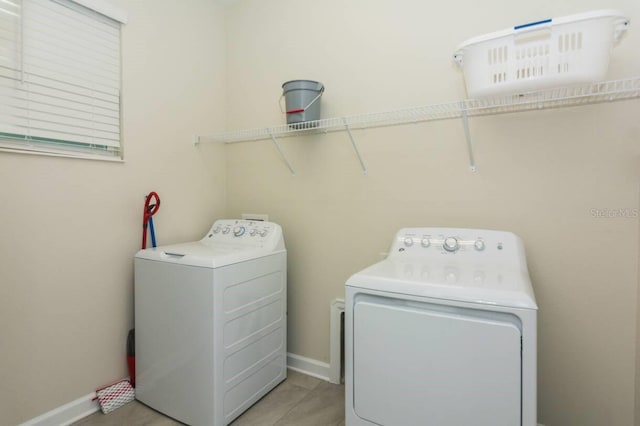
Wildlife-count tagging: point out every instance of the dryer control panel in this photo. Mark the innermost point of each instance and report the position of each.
(246, 233)
(467, 243)
(468, 265)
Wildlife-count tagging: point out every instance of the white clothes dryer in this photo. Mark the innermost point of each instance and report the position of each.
(210, 320)
(442, 333)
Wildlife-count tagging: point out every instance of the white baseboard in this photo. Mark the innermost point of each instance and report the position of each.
(68, 413)
(308, 366)
(85, 406)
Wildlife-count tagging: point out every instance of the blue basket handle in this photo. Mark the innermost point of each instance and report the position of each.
(532, 24)
(536, 29)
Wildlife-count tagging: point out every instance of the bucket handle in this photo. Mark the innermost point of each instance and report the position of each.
(295, 111)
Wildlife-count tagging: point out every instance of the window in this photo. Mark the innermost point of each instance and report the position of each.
(60, 77)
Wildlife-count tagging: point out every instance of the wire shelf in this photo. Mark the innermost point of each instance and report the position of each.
(552, 98)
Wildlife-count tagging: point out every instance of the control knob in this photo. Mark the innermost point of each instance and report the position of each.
(238, 231)
(253, 232)
(425, 242)
(450, 244)
(226, 230)
(408, 242)
(479, 245)
(216, 230)
(263, 233)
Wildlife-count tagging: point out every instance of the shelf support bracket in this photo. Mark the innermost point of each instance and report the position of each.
(284, 158)
(467, 135)
(355, 147)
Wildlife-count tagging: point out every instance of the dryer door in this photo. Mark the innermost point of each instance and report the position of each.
(420, 363)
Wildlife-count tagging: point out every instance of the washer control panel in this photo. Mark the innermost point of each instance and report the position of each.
(242, 232)
(453, 242)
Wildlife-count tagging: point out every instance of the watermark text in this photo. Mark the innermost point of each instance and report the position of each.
(621, 213)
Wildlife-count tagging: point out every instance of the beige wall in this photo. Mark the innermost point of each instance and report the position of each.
(70, 228)
(539, 174)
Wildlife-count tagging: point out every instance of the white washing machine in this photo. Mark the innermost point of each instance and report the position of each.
(210, 320)
(442, 333)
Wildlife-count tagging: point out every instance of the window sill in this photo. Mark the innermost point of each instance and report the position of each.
(79, 156)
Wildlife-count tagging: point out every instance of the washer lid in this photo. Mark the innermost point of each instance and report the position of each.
(494, 284)
(228, 241)
(207, 256)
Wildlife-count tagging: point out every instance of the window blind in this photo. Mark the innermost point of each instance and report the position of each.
(59, 78)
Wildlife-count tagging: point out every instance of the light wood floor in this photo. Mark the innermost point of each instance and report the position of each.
(298, 401)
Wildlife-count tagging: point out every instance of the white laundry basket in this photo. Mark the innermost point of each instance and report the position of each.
(538, 55)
